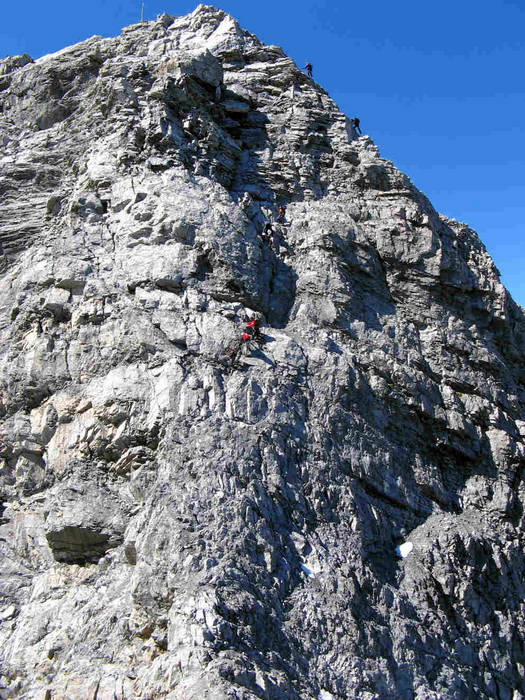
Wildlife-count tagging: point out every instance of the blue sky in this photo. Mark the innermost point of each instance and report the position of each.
(438, 86)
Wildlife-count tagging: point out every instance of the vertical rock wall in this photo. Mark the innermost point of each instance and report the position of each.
(337, 515)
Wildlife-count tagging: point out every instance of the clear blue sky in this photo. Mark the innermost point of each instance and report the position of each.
(438, 85)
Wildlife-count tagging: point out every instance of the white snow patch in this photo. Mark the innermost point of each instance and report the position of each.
(325, 695)
(311, 564)
(403, 550)
(307, 571)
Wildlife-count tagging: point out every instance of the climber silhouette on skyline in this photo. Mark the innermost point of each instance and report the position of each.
(355, 123)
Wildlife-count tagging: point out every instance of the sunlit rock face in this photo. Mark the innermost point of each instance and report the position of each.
(337, 514)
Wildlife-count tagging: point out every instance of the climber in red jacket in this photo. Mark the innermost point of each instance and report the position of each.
(309, 69)
(252, 330)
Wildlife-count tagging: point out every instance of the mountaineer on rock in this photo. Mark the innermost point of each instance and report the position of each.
(355, 123)
(309, 69)
(280, 216)
(252, 330)
(251, 333)
(268, 234)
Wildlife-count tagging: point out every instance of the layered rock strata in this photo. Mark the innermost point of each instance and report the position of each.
(174, 526)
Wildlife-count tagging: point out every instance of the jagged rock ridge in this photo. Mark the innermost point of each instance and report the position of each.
(176, 528)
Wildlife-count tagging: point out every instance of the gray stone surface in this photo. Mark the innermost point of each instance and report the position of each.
(175, 527)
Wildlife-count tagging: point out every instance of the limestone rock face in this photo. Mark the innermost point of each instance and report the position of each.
(336, 514)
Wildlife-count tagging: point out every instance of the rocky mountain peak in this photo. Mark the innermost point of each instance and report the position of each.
(261, 406)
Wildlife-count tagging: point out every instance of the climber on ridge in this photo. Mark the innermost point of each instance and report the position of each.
(355, 123)
(280, 216)
(309, 69)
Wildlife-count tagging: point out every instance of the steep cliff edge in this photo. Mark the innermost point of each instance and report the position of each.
(175, 526)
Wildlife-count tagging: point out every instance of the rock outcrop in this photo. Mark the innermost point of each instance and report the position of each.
(338, 514)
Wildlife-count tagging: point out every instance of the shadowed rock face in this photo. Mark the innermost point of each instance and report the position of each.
(77, 545)
(340, 514)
